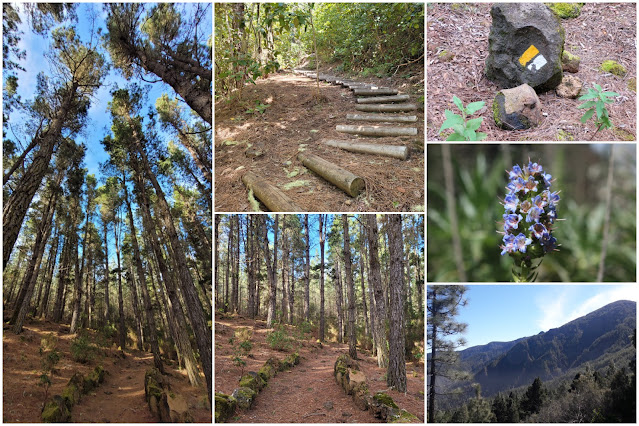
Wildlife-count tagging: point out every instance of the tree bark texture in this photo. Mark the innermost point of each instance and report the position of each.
(383, 118)
(321, 241)
(307, 272)
(396, 375)
(382, 91)
(273, 198)
(352, 338)
(375, 282)
(383, 99)
(377, 130)
(386, 108)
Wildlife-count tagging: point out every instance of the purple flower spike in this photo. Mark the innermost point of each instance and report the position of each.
(539, 202)
(525, 206)
(530, 185)
(508, 246)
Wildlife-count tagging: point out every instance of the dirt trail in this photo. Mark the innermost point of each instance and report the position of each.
(307, 393)
(306, 388)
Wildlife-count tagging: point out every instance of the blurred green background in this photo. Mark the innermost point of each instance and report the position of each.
(479, 177)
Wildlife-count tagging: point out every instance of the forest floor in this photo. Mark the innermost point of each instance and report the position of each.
(293, 118)
(308, 393)
(119, 399)
(600, 32)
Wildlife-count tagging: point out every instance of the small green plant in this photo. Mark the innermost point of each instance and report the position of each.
(259, 108)
(81, 349)
(304, 328)
(463, 130)
(242, 346)
(49, 358)
(596, 103)
(279, 339)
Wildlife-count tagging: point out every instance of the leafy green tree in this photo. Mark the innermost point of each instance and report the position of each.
(533, 398)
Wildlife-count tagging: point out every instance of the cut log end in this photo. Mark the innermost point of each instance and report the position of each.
(348, 182)
(272, 197)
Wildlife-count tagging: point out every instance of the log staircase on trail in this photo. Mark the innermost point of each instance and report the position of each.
(381, 105)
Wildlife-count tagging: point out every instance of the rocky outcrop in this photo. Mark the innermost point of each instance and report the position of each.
(348, 375)
(517, 109)
(225, 406)
(525, 46)
(58, 410)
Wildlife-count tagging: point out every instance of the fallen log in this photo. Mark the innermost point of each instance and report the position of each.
(400, 152)
(383, 99)
(273, 198)
(343, 179)
(386, 107)
(383, 118)
(375, 92)
(376, 130)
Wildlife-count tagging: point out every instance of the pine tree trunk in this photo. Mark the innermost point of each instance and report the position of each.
(352, 338)
(78, 278)
(122, 326)
(272, 275)
(396, 375)
(361, 277)
(51, 263)
(338, 302)
(137, 320)
(375, 282)
(236, 274)
(307, 272)
(106, 275)
(291, 292)
(432, 374)
(250, 264)
(200, 162)
(218, 219)
(321, 241)
(229, 263)
(284, 302)
(17, 204)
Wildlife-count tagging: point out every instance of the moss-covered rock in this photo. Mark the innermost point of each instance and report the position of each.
(384, 398)
(446, 56)
(153, 390)
(562, 135)
(56, 411)
(402, 416)
(566, 10)
(266, 372)
(275, 363)
(623, 135)
(253, 381)
(570, 62)
(613, 68)
(94, 379)
(244, 397)
(225, 406)
(361, 395)
(73, 391)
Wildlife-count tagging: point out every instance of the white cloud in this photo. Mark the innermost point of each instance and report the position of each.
(559, 310)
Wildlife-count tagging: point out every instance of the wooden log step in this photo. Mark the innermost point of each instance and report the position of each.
(400, 152)
(383, 99)
(342, 178)
(271, 196)
(375, 92)
(377, 130)
(386, 107)
(388, 118)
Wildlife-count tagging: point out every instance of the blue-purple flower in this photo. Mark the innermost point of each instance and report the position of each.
(530, 199)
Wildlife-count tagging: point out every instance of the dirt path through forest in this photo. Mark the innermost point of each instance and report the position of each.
(308, 393)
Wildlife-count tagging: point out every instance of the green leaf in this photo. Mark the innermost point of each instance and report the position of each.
(588, 104)
(607, 94)
(459, 128)
(451, 120)
(474, 107)
(587, 115)
(458, 102)
(589, 95)
(455, 137)
(470, 135)
(474, 123)
(481, 136)
(598, 87)
(600, 109)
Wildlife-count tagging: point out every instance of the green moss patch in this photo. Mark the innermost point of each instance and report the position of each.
(225, 406)
(565, 136)
(613, 68)
(566, 10)
(632, 84)
(623, 134)
(266, 372)
(384, 398)
(56, 411)
(403, 416)
(253, 381)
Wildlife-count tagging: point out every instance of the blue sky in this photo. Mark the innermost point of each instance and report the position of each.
(507, 312)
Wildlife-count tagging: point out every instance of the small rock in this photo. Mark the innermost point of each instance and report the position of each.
(570, 87)
(253, 153)
(328, 405)
(517, 109)
(346, 414)
(570, 62)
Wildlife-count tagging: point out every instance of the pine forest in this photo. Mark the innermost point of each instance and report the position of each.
(107, 218)
(321, 316)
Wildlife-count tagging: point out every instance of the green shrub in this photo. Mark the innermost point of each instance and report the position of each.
(596, 103)
(49, 358)
(279, 339)
(82, 349)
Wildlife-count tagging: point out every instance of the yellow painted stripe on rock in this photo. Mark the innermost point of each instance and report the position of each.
(528, 55)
